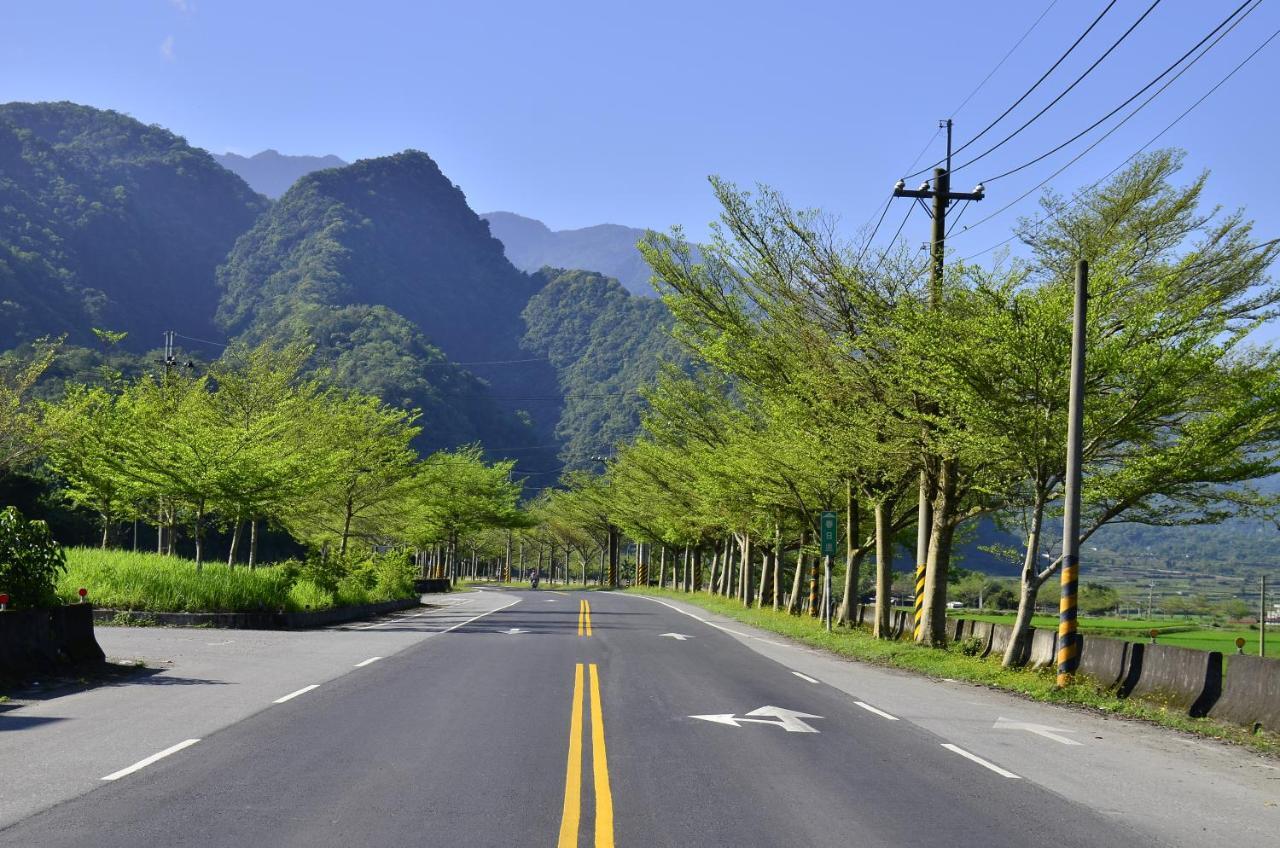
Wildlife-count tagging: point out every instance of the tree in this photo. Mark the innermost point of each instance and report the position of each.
(18, 423)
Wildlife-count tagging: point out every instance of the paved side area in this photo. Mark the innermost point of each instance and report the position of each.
(198, 681)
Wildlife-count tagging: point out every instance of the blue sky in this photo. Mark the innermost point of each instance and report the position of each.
(588, 112)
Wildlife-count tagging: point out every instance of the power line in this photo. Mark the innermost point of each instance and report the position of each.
(1082, 192)
(1027, 93)
(910, 208)
(201, 341)
(999, 64)
(1065, 91)
(1142, 90)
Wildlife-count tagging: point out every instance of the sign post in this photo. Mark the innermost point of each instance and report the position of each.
(828, 525)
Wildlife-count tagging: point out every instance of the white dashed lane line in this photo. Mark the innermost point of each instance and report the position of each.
(141, 764)
(975, 758)
(304, 690)
(804, 677)
(876, 711)
(369, 661)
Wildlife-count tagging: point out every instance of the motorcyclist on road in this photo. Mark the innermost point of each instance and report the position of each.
(534, 577)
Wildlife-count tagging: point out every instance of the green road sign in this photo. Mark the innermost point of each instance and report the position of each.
(828, 524)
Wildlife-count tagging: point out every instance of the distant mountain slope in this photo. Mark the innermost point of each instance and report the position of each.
(110, 223)
(271, 172)
(384, 265)
(609, 249)
(604, 344)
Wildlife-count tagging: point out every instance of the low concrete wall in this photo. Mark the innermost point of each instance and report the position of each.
(431, 586)
(1111, 662)
(1183, 678)
(262, 620)
(1044, 648)
(983, 631)
(44, 640)
(1250, 693)
(1001, 634)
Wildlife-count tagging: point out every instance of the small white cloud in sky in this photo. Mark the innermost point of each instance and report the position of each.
(182, 5)
(166, 48)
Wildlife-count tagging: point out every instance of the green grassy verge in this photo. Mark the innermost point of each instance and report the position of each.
(1039, 685)
(151, 583)
(1173, 631)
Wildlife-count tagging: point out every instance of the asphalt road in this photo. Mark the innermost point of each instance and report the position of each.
(578, 719)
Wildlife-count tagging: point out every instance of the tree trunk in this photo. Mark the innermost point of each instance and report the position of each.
(106, 530)
(793, 600)
(852, 556)
(235, 543)
(814, 588)
(933, 622)
(884, 569)
(346, 527)
(717, 576)
(777, 565)
(1029, 588)
(199, 528)
(696, 569)
(253, 544)
(746, 569)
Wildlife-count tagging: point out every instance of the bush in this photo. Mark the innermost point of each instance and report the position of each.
(30, 561)
(972, 646)
(308, 595)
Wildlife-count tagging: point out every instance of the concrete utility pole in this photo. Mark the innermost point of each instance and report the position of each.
(1068, 639)
(942, 196)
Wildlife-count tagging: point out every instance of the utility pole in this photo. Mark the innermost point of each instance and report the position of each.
(1262, 617)
(942, 196)
(1068, 639)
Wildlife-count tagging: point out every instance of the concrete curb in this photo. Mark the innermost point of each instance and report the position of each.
(261, 620)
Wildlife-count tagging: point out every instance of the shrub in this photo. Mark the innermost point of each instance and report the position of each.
(972, 646)
(308, 595)
(30, 561)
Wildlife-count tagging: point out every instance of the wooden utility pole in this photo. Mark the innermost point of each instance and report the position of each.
(942, 196)
(1068, 639)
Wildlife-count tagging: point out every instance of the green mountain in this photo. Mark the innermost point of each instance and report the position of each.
(604, 343)
(271, 172)
(110, 223)
(609, 249)
(385, 267)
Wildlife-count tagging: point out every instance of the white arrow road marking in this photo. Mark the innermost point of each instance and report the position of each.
(678, 636)
(1038, 729)
(513, 631)
(788, 720)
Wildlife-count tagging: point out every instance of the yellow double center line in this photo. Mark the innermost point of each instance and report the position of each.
(584, 618)
(572, 814)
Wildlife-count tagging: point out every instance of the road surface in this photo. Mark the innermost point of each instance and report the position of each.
(548, 718)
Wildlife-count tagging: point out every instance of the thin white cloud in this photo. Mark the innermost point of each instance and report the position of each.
(166, 48)
(184, 6)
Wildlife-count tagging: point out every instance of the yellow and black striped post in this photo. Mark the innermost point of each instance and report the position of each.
(919, 612)
(1068, 638)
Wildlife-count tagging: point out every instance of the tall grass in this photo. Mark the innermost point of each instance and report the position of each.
(140, 581)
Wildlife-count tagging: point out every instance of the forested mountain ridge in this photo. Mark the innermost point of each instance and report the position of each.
(271, 172)
(609, 249)
(605, 344)
(384, 267)
(110, 223)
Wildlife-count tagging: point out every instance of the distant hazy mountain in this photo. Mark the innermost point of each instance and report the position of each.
(271, 172)
(609, 249)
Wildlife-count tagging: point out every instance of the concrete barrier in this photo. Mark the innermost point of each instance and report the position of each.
(47, 639)
(1250, 693)
(982, 631)
(1109, 661)
(960, 630)
(1044, 647)
(1001, 634)
(1181, 678)
(260, 620)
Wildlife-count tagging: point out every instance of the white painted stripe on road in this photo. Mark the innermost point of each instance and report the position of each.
(995, 768)
(481, 615)
(878, 712)
(141, 764)
(367, 662)
(304, 690)
(804, 677)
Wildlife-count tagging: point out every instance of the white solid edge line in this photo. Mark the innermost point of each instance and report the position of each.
(141, 764)
(995, 768)
(304, 690)
(804, 677)
(878, 712)
(367, 662)
(481, 615)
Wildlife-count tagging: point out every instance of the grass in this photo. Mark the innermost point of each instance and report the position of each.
(1037, 684)
(1181, 632)
(146, 582)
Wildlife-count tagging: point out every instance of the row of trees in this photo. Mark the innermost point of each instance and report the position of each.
(254, 440)
(833, 377)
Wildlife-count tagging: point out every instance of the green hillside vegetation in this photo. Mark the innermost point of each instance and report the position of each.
(108, 222)
(604, 344)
